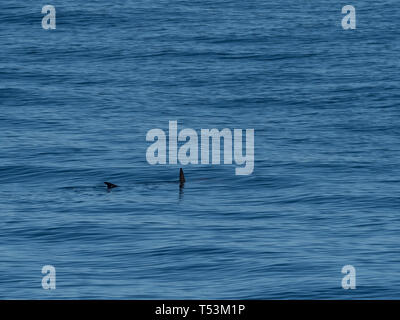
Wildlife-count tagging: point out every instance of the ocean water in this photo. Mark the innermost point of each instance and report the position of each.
(76, 104)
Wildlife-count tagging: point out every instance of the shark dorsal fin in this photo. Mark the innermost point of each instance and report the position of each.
(110, 185)
(181, 177)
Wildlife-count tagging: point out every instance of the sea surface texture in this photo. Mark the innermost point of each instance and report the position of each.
(77, 102)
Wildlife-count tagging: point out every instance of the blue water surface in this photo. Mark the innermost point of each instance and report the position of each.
(77, 102)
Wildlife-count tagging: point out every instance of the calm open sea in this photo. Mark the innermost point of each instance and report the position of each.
(76, 104)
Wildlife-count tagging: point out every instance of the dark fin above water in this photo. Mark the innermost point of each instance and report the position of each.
(181, 177)
(110, 185)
